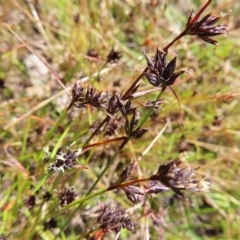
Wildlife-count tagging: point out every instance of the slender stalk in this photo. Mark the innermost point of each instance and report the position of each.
(97, 129)
(84, 199)
(41, 59)
(104, 142)
(179, 106)
(99, 72)
(126, 94)
(153, 142)
(128, 183)
(113, 187)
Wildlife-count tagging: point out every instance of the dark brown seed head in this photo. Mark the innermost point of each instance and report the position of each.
(180, 176)
(131, 128)
(114, 104)
(114, 219)
(205, 28)
(113, 56)
(155, 187)
(217, 122)
(64, 159)
(47, 196)
(81, 96)
(113, 126)
(127, 172)
(51, 223)
(134, 194)
(30, 201)
(93, 55)
(160, 72)
(66, 196)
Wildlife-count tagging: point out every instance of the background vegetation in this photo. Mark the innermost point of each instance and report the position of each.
(75, 38)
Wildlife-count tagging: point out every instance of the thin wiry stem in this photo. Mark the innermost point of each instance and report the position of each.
(153, 142)
(104, 142)
(179, 106)
(128, 183)
(45, 102)
(126, 94)
(30, 49)
(97, 129)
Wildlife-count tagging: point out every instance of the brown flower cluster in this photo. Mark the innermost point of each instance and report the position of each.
(66, 196)
(113, 56)
(30, 202)
(178, 175)
(174, 175)
(81, 96)
(133, 193)
(205, 28)
(51, 223)
(160, 72)
(114, 219)
(64, 159)
(131, 128)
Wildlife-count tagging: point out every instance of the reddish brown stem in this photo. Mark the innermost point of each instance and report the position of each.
(195, 18)
(104, 142)
(125, 141)
(125, 96)
(128, 183)
(98, 128)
